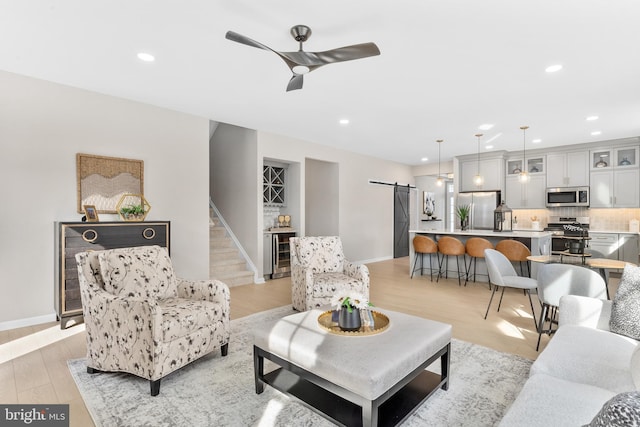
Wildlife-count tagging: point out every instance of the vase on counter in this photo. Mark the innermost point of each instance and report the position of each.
(464, 224)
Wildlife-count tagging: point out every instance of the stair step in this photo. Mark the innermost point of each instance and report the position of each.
(236, 278)
(220, 242)
(223, 266)
(225, 253)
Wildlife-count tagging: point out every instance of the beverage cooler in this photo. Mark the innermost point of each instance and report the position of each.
(280, 255)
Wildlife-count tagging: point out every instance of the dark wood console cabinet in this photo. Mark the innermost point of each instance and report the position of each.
(74, 237)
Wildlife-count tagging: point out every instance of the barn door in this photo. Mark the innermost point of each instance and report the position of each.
(400, 221)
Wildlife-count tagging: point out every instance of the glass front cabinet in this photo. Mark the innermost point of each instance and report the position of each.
(624, 157)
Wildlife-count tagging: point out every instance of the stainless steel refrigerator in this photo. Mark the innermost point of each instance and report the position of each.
(482, 203)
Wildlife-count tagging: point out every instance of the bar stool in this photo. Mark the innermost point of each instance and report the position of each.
(450, 246)
(424, 245)
(515, 251)
(475, 247)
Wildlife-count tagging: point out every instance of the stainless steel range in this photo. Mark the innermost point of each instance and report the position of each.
(562, 226)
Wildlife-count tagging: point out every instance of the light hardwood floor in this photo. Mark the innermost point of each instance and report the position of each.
(33, 359)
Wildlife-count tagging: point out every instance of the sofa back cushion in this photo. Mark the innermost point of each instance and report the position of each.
(320, 254)
(625, 310)
(143, 272)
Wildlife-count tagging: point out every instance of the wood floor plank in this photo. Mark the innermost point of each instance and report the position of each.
(42, 376)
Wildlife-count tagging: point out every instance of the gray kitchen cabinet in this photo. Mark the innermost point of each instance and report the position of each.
(605, 243)
(492, 170)
(615, 188)
(568, 169)
(530, 195)
(629, 248)
(619, 246)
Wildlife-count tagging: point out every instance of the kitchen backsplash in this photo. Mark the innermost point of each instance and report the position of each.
(600, 219)
(270, 214)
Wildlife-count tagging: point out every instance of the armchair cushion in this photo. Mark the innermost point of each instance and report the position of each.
(144, 272)
(181, 317)
(625, 312)
(327, 284)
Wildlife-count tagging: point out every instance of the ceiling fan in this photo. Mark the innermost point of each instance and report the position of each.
(302, 62)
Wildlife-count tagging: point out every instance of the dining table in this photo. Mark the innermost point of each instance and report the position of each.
(601, 264)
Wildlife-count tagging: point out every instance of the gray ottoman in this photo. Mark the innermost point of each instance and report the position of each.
(354, 380)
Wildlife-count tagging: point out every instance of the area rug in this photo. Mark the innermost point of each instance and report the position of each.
(220, 391)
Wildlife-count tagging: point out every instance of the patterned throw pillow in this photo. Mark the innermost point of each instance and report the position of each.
(144, 272)
(625, 311)
(622, 410)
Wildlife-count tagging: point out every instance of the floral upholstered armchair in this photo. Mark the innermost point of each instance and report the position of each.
(143, 320)
(319, 271)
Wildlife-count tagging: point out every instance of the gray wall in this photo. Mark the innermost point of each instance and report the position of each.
(235, 174)
(42, 127)
(321, 198)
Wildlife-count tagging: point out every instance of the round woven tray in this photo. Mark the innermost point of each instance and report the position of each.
(380, 323)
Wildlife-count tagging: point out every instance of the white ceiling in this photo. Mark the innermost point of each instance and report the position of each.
(445, 67)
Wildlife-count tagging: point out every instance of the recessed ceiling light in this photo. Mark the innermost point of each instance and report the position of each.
(553, 68)
(592, 118)
(425, 159)
(146, 57)
(485, 126)
(344, 121)
(536, 141)
(596, 132)
(488, 147)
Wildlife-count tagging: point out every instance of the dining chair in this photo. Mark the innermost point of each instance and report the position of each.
(502, 274)
(557, 280)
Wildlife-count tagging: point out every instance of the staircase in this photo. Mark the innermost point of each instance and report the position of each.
(226, 264)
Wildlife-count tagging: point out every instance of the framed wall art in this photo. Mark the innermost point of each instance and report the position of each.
(102, 181)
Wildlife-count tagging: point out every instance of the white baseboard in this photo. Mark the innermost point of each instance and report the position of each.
(30, 321)
(368, 261)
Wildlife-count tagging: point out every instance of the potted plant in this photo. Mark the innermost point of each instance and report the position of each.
(462, 212)
(348, 306)
(132, 212)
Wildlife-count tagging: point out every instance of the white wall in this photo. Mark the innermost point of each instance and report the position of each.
(365, 210)
(235, 174)
(42, 127)
(321, 198)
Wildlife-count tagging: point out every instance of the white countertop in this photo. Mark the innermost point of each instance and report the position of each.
(612, 232)
(490, 233)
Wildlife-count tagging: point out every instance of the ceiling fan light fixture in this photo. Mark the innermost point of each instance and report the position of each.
(300, 69)
(146, 57)
(553, 68)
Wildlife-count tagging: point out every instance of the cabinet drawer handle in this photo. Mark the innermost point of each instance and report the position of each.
(148, 233)
(87, 233)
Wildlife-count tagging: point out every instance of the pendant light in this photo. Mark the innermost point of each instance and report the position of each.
(439, 181)
(478, 180)
(524, 175)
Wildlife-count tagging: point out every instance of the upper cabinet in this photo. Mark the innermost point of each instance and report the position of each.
(614, 158)
(491, 170)
(530, 194)
(615, 178)
(273, 185)
(568, 169)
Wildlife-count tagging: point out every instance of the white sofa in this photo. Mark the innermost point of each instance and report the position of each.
(583, 366)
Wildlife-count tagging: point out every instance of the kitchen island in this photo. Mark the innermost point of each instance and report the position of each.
(534, 240)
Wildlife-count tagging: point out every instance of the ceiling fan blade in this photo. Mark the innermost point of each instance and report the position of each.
(239, 38)
(295, 82)
(348, 53)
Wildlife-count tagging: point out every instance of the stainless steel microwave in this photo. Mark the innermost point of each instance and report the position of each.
(567, 196)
